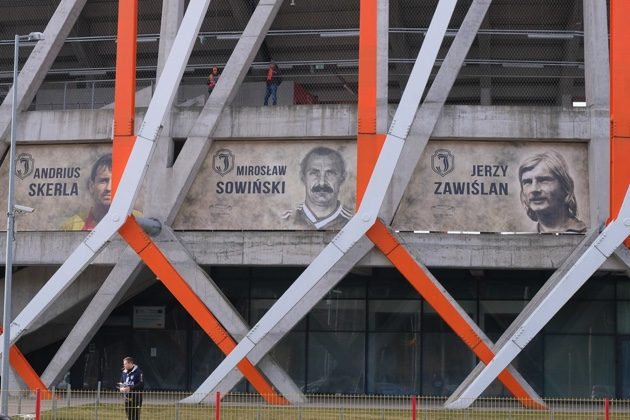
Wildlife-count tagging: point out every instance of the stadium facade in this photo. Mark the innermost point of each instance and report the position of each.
(231, 182)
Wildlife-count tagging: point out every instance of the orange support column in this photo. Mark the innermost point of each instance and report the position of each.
(124, 139)
(619, 104)
(368, 142)
(436, 297)
(369, 146)
(125, 90)
(164, 270)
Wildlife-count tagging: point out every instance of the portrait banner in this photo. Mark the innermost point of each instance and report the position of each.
(272, 185)
(68, 186)
(479, 186)
(498, 187)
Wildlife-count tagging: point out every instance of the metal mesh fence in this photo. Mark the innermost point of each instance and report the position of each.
(81, 405)
(527, 52)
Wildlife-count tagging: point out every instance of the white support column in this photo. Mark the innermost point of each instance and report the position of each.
(536, 300)
(39, 62)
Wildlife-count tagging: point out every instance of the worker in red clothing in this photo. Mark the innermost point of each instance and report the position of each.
(273, 80)
(213, 78)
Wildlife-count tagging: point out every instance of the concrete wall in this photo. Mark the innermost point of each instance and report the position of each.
(49, 249)
(304, 121)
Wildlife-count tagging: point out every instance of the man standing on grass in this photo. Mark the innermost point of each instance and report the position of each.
(131, 385)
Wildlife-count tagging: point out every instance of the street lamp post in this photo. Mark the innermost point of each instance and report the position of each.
(8, 267)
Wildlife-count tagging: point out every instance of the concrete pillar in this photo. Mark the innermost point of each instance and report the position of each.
(172, 15)
(597, 84)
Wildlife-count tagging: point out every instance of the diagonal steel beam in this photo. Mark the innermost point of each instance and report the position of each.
(175, 182)
(412, 150)
(367, 212)
(449, 310)
(585, 258)
(414, 272)
(228, 316)
(122, 203)
(39, 62)
(552, 282)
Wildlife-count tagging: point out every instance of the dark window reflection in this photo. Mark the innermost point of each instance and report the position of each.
(336, 363)
(394, 363)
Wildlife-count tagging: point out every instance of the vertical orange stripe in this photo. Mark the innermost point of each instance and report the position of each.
(368, 143)
(162, 268)
(125, 90)
(367, 67)
(619, 104)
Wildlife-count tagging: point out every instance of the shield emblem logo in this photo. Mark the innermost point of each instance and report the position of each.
(223, 161)
(442, 162)
(24, 165)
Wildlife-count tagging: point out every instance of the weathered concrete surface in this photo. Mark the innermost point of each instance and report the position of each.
(597, 84)
(321, 121)
(523, 251)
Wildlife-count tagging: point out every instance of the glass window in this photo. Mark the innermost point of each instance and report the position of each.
(516, 285)
(161, 354)
(394, 315)
(529, 364)
(495, 316)
(432, 322)
(623, 287)
(234, 288)
(624, 371)
(584, 317)
(579, 365)
(270, 288)
(233, 281)
(597, 287)
(205, 356)
(351, 287)
(623, 317)
(259, 307)
(389, 283)
(394, 363)
(338, 315)
(461, 284)
(290, 354)
(336, 363)
(446, 361)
